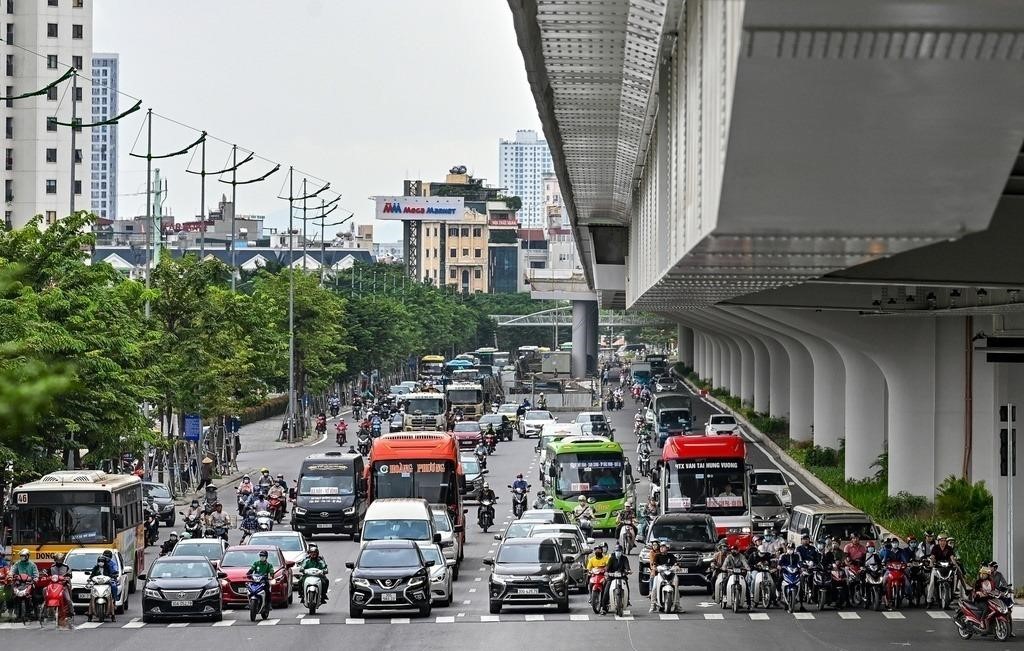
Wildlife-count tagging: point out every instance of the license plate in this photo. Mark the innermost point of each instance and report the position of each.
(684, 570)
(242, 590)
(325, 526)
(389, 596)
(180, 604)
(766, 525)
(527, 591)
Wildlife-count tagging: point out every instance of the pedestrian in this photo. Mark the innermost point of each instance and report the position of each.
(284, 430)
(206, 472)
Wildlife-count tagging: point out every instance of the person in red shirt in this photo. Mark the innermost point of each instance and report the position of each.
(855, 550)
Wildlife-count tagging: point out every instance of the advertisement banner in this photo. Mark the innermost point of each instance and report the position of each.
(428, 209)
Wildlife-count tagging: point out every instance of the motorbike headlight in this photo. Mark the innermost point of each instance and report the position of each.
(299, 510)
(150, 592)
(362, 583)
(350, 510)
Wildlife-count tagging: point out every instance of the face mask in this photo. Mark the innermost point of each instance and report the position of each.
(871, 550)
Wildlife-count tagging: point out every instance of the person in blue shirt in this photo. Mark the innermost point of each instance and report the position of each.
(520, 483)
(888, 552)
(3, 559)
(807, 551)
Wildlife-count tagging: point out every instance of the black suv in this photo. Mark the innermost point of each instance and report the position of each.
(691, 539)
(389, 575)
(528, 572)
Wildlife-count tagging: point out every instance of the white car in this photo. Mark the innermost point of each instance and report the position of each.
(773, 481)
(440, 575)
(292, 544)
(534, 420)
(721, 424)
(81, 561)
(451, 542)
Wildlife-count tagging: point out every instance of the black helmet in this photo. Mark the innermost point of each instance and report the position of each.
(108, 553)
(263, 553)
(101, 559)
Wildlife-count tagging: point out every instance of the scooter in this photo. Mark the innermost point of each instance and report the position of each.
(193, 527)
(821, 584)
(210, 499)
(895, 575)
(627, 536)
(918, 583)
(259, 600)
(519, 499)
(277, 508)
(839, 594)
(341, 433)
(597, 579)
(791, 588)
(23, 596)
(54, 604)
(363, 443)
(101, 601)
(644, 460)
(734, 589)
(152, 526)
(264, 521)
(666, 594)
(5, 589)
(311, 587)
(618, 592)
(485, 517)
(763, 591)
(854, 584)
(334, 410)
(991, 617)
(945, 576)
(874, 588)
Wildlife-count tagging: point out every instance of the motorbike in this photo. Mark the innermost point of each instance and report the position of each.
(277, 508)
(491, 441)
(242, 500)
(101, 601)
(873, 586)
(895, 574)
(375, 430)
(210, 499)
(340, 433)
(152, 525)
(945, 578)
(193, 527)
(618, 592)
(667, 593)
(363, 443)
(792, 597)
(54, 605)
(918, 583)
(311, 587)
(5, 589)
(627, 536)
(644, 460)
(821, 584)
(763, 590)
(990, 617)
(597, 579)
(335, 408)
(259, 599)
(734, 588)
(357, 411)
(264, 521)
(838, 593)
(586, 524)
(485, 517)
(519, 499)
(482, 460)
(854, 584)
(23, 596)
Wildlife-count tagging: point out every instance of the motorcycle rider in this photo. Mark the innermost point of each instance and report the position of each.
(833, 554)
(520, 483)
(542, 500)
(661, 557)
(316, 561)
(245, 487)
(25, 566)
(265, 481)
(584, 510)
(277, 491)
(264, 568)
(169, 544)
(542, 402)
(626, 516)
(597, 560)
(103, 567)
(717, 561)
(486, 494)
(3, 558)
(195, 510)
(341, 432)
(63, 570)
(924, 550)
(773, 545)
(940, 552)
(260, 502)
(321, 423)
(248, 525)
(618, 562)
(855, 550)
(735, 560)
(807, 551)
(218, 519)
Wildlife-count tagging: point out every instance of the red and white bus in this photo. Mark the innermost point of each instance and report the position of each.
(708, 474)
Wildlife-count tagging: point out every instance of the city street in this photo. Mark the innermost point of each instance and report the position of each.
(703, 625)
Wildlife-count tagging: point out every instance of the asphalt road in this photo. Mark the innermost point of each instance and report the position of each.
(467, 624)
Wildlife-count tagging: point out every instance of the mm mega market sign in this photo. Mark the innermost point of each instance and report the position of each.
(432, 209)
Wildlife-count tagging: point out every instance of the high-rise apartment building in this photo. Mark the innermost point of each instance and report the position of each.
(104, 138)
(522, 163)
(42, 38)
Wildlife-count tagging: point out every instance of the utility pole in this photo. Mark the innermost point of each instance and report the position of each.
(291, 305)
(149, 197)
(304, 224)
(234, 209)
(202, 202)
(74, 129)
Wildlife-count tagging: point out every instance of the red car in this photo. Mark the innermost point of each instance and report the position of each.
(236, 563)
(467, 433)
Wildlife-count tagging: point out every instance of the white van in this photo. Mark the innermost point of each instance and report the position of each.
(830, 521)
(399, 519)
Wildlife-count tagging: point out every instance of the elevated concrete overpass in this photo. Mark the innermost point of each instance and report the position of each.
(827, 197)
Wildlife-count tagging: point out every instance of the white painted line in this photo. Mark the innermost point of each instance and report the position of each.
(87, 625)
(355, 620)
(758, 617)
(938, 614)
(461, 615)
(579, 618)
(489, 618)
(399, 620)
(472, 589)
(134, 625)
(177, 625)
(714, 616)
(803, 615)
(337, 580)
(322, 439)
(225, 622)
(268, 622)
(477, 579)
(482, 569)
(624, 618)
(848, 615)
(891, 615)
(466, 602)
(312, 621)
(300, 615)
(1018, 614)
(667, 617)
(445, 620)
(535, 618)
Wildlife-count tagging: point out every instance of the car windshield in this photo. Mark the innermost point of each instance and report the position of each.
(426, 406)
(544, 552)
(769, 479)
(765, 499)
(181, 570)
(590, 418)
(397, 557)
(286, 543)
(156, 490)
(467, 426)
(432, 554)
(675, 418)
(441, 521)
(470, 467)
(846, 530)
(691, 532)
(211, 550)
(333, 484)
(396, 530)
(519, 529)
(244, 558)
(508, 409)
(81, 562)
(494, 419)
(539, 415)
(723, 420)
(565, 543)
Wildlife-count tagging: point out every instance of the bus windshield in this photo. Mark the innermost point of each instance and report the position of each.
(427, 406)
(715, 486)
(327, 484)
(66, 523)
(432, 368)
(433, 481)
(465, 396)
(594, 474)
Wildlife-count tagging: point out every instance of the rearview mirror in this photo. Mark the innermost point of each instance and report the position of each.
(142, 577)
(350, 565)
(488, 561)
(428, 563)
(436, 538)
(569, 558)
(484, 471)
(220, 575)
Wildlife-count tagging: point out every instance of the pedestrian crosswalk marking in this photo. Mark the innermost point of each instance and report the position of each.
(86, 625)
(848, 615)
(355, 620)
(489, 618)
(758, 617)
(178, 625)
(667, 616)
(937, 614)
(134, 625)
(579, 618)
(226, 622)
(399, 620)
(803, 615)
(890, 615)
(714, 616)
(535, 618)
(445, 620)
(312, 621)
(624, 618)
(466, 602)
(268, 622)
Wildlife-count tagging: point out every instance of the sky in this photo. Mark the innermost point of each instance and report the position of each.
(360, 94)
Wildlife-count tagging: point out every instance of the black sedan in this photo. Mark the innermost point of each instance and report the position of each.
(389, 575)
(182, 587)
(502, 425)
(163, 502)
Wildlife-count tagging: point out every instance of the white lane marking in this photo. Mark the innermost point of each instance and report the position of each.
(477, 579)
(445, 620)
(803, 615)
(937, 614)
(134, 625)
(579, 618)
(489, 618)
(891, 615)
(300, 615)
(535, 618)
(355, 620)
(668, 616)
(472, 589)
(337, 580)
(225, 622)
(482, 569)
(466, 602)
(714, 616)
(86, 625)
(177, 625)
(268, 622)
(312, 621)
(848, 615)
(322, 439)
(624, 618)
(758, 617)
(400, 620)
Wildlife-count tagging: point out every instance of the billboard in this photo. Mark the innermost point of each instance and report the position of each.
(428, 209)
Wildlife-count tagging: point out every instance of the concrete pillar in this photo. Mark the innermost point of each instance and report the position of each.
(748, 365)
(578, 360)
(684, 338)
(709, 357)
(950, 338)
(698, 352)
(717, 370)
(829, 394)
(754, 350)
(592, 334)
(865, 413)
(778, 382)
(735, 366)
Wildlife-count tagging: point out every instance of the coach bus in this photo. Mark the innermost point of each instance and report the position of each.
(591, 466)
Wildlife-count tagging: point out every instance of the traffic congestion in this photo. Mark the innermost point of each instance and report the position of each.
(436, 496)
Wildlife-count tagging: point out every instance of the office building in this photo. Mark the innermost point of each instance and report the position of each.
(522, 164)
(37, 173)
(104, 138)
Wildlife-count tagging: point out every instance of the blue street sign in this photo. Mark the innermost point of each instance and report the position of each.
(193, 427)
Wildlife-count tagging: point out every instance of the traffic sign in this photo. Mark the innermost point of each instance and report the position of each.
(193, 427)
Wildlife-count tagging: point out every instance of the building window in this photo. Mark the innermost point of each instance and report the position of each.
(453, 232)
(51, 217)
(465, 252)
(51, 93)
(477, 273)
(451, 253)
(476, 232)
(78, 187)
(78, 94)
(51, 61)
(52, 3)
(51, 124)
(476, 253)
(9, 93)
(51, 186)
(9, 160)
(452, 273)
(9, 123)
(78, 155)
(77, 4)
(76, 31)
(10, 6)
(51, 155)
(435, 253)
(10, 33)
(76, 61)
(465, 232)
(10, 65)
(51, 30)
(9, 190)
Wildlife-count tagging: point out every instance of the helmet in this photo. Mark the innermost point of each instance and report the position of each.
(217, 505)
(985, 570)
(263, 553)
(174, 534)
(24, 554)
(186, 536)
(541, 394)
(108, 553)
(101, 559)
(58, 558)
(790, 547)
(994, 565)
(245, 477)
(486, 485)
(314, 551)
(250, 511)
(582, 499)
(195, 504)
(519, 476)
(733, 549)
(280, 475)
(264, 471)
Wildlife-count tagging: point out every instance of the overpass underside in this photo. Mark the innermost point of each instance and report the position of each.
(827, 197)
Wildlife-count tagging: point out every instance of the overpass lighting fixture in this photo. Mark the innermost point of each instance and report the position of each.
(1013, 294)
(891, 301)
(982, 295)
(954, 296)
(930, 299)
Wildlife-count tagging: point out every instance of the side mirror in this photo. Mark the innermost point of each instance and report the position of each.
(510, 485)
(436, 538)
(220, 575)
(488, 561)
(291, 493)
(289, 563)
(350, 565)
(497, 536)
(450, 562)
(142, 577)
(428, 563)
(484, 471)
(216, 564)
(590, 541)
(569, 558)
(459, 528)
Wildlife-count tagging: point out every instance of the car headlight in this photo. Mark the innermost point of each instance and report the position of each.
(350, 510)
(362, 583)
(502, 578)
(298, 510)
(785, 491)
(558, 578)
(210, 592)
(416, 581)
(152, 593)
